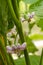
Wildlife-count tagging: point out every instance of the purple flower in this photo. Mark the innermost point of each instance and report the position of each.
(16, 48)
(23, 46)
(9, 49)
(31, 15)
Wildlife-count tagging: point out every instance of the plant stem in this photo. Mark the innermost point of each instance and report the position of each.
(18, 2)
(6, 57)
(11, 59)
(41, 57)
(16, 21)
(26, 57)
(2, 62)
(5, 39)
(4, 51)
(15, 7)
(19, 28)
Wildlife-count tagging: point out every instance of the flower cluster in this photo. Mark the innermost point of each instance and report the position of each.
(28, 16)
(16, 48)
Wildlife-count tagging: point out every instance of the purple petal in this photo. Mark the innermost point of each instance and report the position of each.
(9, 49)
(31, 15)
(14, 47)
(23, 46)
(18, 46)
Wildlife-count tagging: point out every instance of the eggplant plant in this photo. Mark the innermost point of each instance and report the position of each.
(10, 17)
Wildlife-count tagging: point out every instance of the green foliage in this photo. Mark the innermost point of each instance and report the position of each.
(30, 1)
(1, 60)
(10, 21)
(30, 46)
(3, 16)
(31, 26)
(4, 53)
(36, 37)
(40, 24)
(41, 58)
(38, 9)
(33, 59)
(6, 21)
(9, 15)
(18, 2)
(15, 7)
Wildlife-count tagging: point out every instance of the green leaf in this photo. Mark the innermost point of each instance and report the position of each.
(37, 8)
(2, 62)
(30, 1)
(31, 26)
(33, 59)
(36, 37)
(30, 46)
(40, 24)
